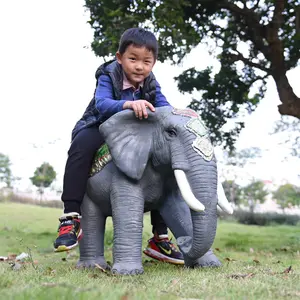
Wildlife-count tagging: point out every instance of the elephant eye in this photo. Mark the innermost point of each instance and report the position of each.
(172, 132)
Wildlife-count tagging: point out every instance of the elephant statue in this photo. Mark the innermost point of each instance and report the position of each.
(165, 162)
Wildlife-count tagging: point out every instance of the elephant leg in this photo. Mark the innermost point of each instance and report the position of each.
(177, 216)
(91, 245)
(127, 204)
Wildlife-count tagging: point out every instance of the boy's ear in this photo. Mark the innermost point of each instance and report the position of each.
(119, 56)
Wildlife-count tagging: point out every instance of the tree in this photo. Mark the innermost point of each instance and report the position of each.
(253, 192)
(43, 177)
(5, 171)
(287, 194)
(252, 40)
(232, 191)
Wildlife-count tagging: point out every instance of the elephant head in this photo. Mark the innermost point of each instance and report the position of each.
(178, 140)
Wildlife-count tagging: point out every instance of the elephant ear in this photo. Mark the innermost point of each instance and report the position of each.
(130, 141)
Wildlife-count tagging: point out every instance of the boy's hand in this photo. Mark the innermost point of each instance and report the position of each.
(139, 107)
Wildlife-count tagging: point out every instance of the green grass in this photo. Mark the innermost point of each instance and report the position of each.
(262, 253)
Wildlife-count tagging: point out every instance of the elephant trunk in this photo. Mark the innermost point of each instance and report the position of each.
(204, 231)
(203, 181)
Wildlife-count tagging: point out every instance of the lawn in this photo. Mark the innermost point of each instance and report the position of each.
(258, 263)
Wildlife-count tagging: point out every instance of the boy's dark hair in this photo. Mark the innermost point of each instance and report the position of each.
(138, 37)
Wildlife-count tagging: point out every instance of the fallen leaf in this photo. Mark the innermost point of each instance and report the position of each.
(94, 275)
(148, 262)
(287, 270)
(125, 297)
(6, 228)
(175, 281)
(218, 249)
(49, 284)
(229, 259)
(100, 268)
(11, 256)
(285, 249)
(23, 256)
(295, 293)
(50, 271)
(16, 266)
(256, 261)
(243, 276)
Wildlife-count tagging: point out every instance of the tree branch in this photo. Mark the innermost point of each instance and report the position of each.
(254, 29)
(240, 57)
(262, 78)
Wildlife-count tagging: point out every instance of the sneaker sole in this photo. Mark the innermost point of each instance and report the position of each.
(63, 248)
(161, 257)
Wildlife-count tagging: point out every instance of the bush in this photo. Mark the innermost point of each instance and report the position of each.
(26, 200)
(5, 194)
(264, 219)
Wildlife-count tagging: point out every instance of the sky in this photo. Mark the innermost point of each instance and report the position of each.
(47, 79)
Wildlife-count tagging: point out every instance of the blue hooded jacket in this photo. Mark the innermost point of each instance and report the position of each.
(109, 95)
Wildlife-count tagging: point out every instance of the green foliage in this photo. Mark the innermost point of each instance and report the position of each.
(232, 191)
(251, 39)
(287, 195)
(43, 176)
(5, 171)
(255, 191)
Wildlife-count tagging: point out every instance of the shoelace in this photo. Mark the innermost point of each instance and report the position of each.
(65, 229)
(171, 245)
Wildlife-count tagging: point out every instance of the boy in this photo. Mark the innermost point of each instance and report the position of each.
(125, 83)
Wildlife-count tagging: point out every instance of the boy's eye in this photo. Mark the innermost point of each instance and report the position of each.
(132, 58)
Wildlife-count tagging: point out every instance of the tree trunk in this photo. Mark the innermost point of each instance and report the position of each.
(290, 102)
(273, 52)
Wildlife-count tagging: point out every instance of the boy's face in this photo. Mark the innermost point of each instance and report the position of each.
(137, 63)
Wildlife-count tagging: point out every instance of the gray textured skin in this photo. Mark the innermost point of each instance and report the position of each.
(140, 179)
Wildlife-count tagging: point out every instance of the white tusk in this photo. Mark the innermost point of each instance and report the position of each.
(186, 191)
(222, 199)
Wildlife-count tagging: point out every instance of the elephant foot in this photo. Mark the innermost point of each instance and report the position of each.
(93, 263)
(207, 260)
(127, 269)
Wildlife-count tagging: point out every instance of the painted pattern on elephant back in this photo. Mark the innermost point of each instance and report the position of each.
(101, 159)
(186, 112)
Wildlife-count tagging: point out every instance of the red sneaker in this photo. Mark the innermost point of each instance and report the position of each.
(164, 250)
(69, 232)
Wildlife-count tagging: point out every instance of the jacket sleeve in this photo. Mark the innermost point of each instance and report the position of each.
(160, 97)
(104, 97)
